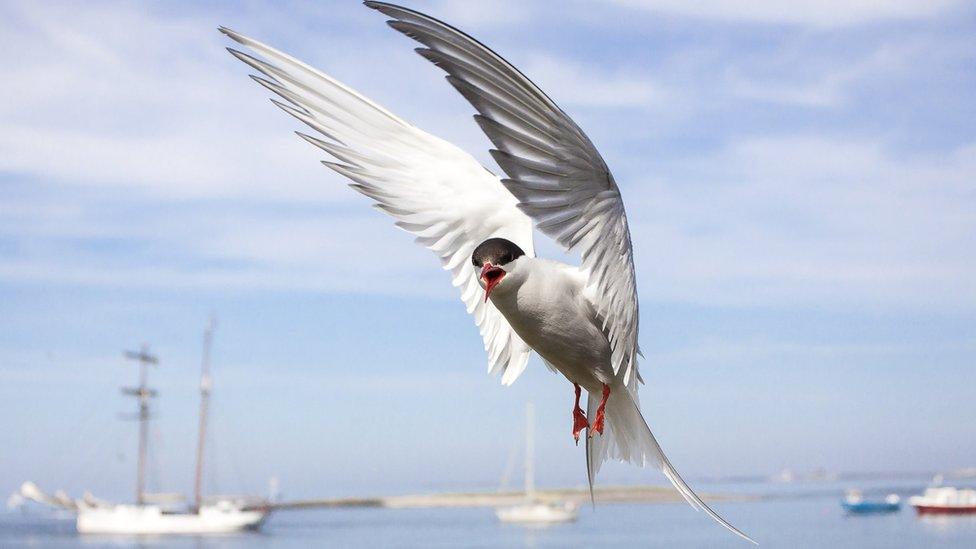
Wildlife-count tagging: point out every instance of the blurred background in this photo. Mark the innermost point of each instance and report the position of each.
(800, 181)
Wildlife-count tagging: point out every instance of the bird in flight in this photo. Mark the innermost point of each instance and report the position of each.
(581, 320)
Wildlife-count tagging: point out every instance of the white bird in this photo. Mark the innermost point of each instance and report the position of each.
(582, 321)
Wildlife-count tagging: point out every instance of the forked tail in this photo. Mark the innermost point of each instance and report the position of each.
(627, 437)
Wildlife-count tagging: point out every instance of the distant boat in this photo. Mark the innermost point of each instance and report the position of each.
(155, 513)
(855, 503)
(945, 500)
(539, 513)
(534, 510)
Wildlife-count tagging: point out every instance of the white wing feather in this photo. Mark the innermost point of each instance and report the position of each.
(554, 170)
(432, 188)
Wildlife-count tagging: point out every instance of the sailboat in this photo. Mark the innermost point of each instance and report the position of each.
(153, 513)
(534, 510)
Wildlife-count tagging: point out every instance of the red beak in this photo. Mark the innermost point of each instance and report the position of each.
(492, 276)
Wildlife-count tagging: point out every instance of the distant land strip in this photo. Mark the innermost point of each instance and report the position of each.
(607, 494)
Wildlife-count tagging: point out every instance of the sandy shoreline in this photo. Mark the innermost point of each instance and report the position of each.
(605, 494)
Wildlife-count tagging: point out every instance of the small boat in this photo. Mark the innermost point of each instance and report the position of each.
(538, 513)
(945, 500)
(855, 504)
(534, 510)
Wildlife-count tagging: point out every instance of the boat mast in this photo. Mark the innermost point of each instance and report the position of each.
(206, 383)
(529, 451)
(143, 393)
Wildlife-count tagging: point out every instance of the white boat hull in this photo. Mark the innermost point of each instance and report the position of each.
(152, 520)
(538, 513)
(945, 500)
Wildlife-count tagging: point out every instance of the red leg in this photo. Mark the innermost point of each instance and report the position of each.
(601, 412)
(579, 418)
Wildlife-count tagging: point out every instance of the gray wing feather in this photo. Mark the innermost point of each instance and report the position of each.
(553, 169)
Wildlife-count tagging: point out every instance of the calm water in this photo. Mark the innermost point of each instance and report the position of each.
(811, 520)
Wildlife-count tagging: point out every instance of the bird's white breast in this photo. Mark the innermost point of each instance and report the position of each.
(547, 308)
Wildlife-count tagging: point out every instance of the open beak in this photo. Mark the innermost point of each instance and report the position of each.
(492, 275)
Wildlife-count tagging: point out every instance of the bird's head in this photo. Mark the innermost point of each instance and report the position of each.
(494, 260)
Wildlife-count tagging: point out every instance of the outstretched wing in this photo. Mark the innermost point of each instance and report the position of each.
(432, 188)
(559, 178)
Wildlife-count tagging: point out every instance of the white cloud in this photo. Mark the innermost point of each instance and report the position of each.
(814, 221)
(479, 14)
(95, 113)
(782, 222)
(88, 102)
(799, 73)
(590, 86)
(823, 93)
(816, 13)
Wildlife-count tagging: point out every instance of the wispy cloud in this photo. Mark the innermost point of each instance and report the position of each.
(825, 92)
(152, 161)
(809, 220)
(592, 86)
(803, 12)
(481, 14)
(802, 72)
(89, 103)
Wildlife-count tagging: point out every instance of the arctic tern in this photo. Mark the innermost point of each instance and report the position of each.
(581, 320)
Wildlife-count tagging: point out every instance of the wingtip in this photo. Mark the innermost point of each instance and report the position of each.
(232, 34)
(372, 4)
(248, 60)
(378, 6)
(268, 84)
(745, 537)
(390, 10)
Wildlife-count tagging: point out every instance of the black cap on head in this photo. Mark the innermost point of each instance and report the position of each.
(496, 251)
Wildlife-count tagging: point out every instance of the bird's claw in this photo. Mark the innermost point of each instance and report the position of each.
(579, 418)
(597, 426)
(601, 411)
(579, 423)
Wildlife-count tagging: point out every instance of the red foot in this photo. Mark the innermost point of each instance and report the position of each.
(579, 418)
(600, 412)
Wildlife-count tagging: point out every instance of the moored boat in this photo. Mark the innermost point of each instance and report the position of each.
(538, 513)
(156, 514)
(945, 500)
(222, 517)
(534, 510)
(855, 503)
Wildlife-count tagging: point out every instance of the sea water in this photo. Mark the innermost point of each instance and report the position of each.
(785, 518)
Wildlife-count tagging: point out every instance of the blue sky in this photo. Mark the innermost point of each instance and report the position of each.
(800, 181)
